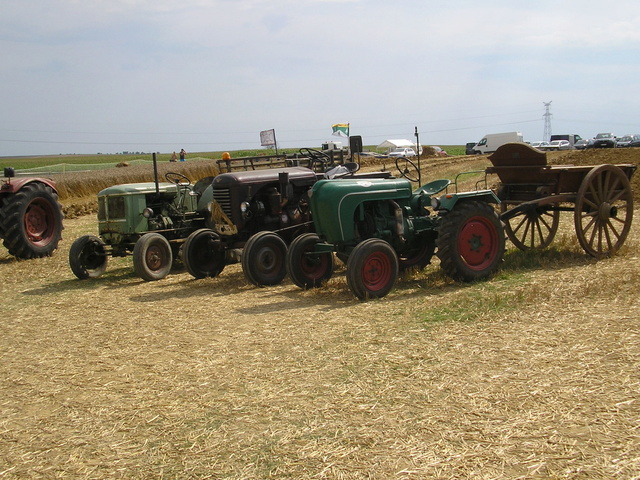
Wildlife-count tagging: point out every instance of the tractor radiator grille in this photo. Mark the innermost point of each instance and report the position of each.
(223, 197)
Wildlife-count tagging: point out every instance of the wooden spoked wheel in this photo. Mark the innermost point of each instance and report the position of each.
(604, 210)
(533, 228)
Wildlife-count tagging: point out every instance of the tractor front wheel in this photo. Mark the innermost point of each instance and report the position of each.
(152, 257)
(88, 257)
(471, 241)
(372, 269)
(263, 259)
(203, 254)
(306, 268)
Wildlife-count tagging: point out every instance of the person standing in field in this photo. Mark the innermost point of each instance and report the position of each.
(183, 154)
(174, 157)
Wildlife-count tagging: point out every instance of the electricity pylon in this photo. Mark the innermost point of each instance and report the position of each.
(547, 122)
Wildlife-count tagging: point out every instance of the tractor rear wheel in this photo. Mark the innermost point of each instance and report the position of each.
(88, 257)
(419, 257)
(203, 254)
(306, 268)
(152, 257)
(263, 259)
(471, 241)
(31, 221)
(372, 269)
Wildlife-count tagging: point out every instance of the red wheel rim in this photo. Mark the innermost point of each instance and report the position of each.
(313, 266)
(478, 243)
(376, 271)
(39, 222)
(155, 257)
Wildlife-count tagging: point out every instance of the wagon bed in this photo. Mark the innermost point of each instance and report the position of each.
(533, 193)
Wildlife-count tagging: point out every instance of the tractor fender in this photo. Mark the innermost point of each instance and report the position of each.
(15, 185)
(448, 201)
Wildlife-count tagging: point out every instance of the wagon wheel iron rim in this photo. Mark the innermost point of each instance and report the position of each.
(603, 211)
(534, 228)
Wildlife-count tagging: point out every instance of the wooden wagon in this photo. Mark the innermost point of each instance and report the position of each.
(533, 194)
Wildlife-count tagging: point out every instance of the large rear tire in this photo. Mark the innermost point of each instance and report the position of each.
(152, 257)
(306, 268)
(203, 254)
(87, 257)
(471, 241)
(419, 257)
(31, 221)
(264, 259)
(372, 269)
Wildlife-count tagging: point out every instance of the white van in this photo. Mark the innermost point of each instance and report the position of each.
(492, 141)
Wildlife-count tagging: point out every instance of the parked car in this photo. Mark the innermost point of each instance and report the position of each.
(468, 148)
(604, 140)
(582, 144)
(403, 152)
(439, 152)
(540, 145)
(559, 145)
(628, 141)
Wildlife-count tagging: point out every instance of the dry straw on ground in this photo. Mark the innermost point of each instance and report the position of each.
(531, 375)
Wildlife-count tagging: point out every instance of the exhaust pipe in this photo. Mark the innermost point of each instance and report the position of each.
(155, 173)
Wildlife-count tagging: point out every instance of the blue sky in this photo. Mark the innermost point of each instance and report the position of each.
(88, 76)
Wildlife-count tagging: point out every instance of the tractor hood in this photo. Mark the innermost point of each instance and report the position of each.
(334, 202)
(138, 188)
(297, 176)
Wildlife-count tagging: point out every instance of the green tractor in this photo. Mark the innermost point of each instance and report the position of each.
(380, 226)
(149, 221)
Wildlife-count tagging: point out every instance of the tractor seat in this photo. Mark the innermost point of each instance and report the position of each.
(433, 187)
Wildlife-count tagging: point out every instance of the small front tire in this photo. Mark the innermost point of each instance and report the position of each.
(263, 259)
(306, 268)
(152, 257)
(203, 254)
(372, 269)
(87, 257)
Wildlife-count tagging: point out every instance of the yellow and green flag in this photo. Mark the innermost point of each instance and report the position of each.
(340, 129)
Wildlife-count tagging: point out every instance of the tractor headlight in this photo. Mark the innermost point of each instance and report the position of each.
(435, 203)
(147, 213)
(245, 209)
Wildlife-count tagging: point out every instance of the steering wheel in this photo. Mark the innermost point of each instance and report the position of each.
(408, 169)
(317, 157)
(177, 178)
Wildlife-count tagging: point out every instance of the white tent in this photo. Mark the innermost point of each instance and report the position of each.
(398, 143)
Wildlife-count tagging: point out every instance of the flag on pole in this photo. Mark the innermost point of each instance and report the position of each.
(340, 129)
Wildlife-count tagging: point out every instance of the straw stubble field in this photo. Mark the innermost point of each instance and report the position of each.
(533, 374)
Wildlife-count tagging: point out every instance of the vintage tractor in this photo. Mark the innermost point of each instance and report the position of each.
(378, 226)
(30, 216)
(256, 214)
(247, 203)
(147, 220)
